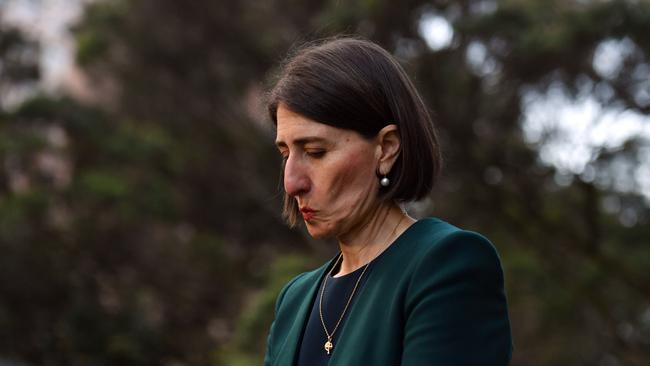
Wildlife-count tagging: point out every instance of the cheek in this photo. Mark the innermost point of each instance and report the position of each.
(348, 188)
(355, 174)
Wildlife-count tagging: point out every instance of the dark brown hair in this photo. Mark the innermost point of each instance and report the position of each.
(355, 84)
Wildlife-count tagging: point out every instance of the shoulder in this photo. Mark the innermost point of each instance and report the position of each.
(439, 240)
(455, 301)
(447, 255)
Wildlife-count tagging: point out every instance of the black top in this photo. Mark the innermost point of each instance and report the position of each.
(337, 292)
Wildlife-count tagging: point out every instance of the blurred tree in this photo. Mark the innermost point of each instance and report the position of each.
(148, 231)
(114, 223)
(18, 63)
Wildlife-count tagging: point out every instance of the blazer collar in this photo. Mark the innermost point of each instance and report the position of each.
(288, 352)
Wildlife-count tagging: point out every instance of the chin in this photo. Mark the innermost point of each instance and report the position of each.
(317, 231)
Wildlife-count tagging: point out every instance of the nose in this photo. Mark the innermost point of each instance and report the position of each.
(296, 179)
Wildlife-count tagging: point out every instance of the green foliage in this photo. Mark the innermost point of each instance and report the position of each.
(247, 347)
(18, 61)
(94, 44)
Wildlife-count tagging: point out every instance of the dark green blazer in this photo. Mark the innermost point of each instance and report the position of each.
(434, 297)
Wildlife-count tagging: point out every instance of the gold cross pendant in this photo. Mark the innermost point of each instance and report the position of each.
(328, 345)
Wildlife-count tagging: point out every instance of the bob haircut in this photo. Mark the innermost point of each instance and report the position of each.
(355, 84)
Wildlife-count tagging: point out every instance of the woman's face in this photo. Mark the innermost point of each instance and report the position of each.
(331, 172)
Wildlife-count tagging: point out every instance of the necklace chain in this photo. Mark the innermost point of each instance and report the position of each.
(328, 344)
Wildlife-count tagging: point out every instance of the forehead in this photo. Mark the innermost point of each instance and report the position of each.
(292, 127)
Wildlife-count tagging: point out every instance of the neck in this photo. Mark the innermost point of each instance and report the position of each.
(372, 237)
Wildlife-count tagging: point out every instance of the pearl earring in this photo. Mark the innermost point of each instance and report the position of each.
(384, 181)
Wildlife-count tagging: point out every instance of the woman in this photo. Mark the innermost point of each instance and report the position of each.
(356, 141)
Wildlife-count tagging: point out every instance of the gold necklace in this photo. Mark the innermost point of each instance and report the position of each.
(328, 344)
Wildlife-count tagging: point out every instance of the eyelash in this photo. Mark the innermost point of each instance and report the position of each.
(316, 154)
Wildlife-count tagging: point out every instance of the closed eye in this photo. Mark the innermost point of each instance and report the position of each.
(316, 153)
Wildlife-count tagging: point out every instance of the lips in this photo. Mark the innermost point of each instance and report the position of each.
(307, 213)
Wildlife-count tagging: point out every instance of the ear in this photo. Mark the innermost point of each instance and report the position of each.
(389, 146)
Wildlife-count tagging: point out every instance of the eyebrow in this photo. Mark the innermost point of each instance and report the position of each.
(301, 141)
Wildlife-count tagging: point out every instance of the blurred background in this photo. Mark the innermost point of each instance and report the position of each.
(139, 185)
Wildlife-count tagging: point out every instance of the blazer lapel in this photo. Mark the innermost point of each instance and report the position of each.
(287, 354)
